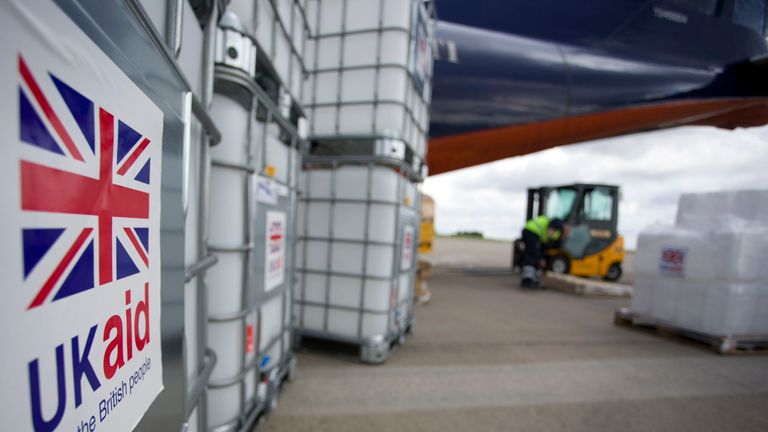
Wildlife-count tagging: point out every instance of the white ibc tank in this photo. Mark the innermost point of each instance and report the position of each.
(371, 67)
(230, 322)
(358, 227)
(274, 239)
(280, 29)
(253, 200)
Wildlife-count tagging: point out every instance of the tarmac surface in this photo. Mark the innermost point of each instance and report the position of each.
(487, 356)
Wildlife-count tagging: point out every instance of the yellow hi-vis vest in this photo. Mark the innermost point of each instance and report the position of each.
(539, 227)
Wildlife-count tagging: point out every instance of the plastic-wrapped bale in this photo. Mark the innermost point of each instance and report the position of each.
(717, 209)
(711, 279)
(370, 67)
(719, 308)
(741, 253)
(642, 294)
(735, 308)
(676, 252)
(726, 253)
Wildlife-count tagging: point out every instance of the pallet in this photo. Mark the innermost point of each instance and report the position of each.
(365, 351)
(584, 287)
(726, 345)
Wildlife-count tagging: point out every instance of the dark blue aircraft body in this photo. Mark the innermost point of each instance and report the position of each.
(517, 76)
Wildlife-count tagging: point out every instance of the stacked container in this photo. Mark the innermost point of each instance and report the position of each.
(707, 274)
(367, 97)
(254, 183)
(228, 89)
(356, 257)
(189, 35)
(370, 71)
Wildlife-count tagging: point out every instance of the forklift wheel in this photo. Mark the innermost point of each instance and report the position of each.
(560, 264)
(614, 272)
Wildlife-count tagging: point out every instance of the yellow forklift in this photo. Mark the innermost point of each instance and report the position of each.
(593, 246)
(427, 228)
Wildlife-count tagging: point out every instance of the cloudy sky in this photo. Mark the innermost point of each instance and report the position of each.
(652, 168)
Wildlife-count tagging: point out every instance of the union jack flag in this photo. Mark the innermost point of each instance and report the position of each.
(112, 242)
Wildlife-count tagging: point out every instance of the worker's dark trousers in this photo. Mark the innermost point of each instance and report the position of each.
(531, 255)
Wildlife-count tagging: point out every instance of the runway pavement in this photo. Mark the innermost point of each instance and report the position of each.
(486, 356)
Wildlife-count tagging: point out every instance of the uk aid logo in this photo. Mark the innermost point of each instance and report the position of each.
(109, 241)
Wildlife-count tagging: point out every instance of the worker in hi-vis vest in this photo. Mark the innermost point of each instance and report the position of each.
(539, 234)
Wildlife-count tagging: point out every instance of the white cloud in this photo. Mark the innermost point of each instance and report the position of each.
(652, 168)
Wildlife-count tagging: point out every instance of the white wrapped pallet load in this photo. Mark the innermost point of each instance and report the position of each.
(370, 70)
(355, 257)
(707, 274)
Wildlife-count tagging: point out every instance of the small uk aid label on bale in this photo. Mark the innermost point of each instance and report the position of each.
(80, 256)
(672, 261)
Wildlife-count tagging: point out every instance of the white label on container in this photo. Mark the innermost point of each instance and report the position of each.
(282, 190)
(421, 57)
(274, 267)
(672, 261)
(267, 192)
(408, 241)
(80, 257)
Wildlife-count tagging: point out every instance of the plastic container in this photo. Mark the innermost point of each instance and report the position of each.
(356, 253)
(228, 313)
(254, 183)
(370, 70)
(274, 238)
(280, 29)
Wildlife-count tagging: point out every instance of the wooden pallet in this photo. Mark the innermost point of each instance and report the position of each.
(584, 287)
(733, 344)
